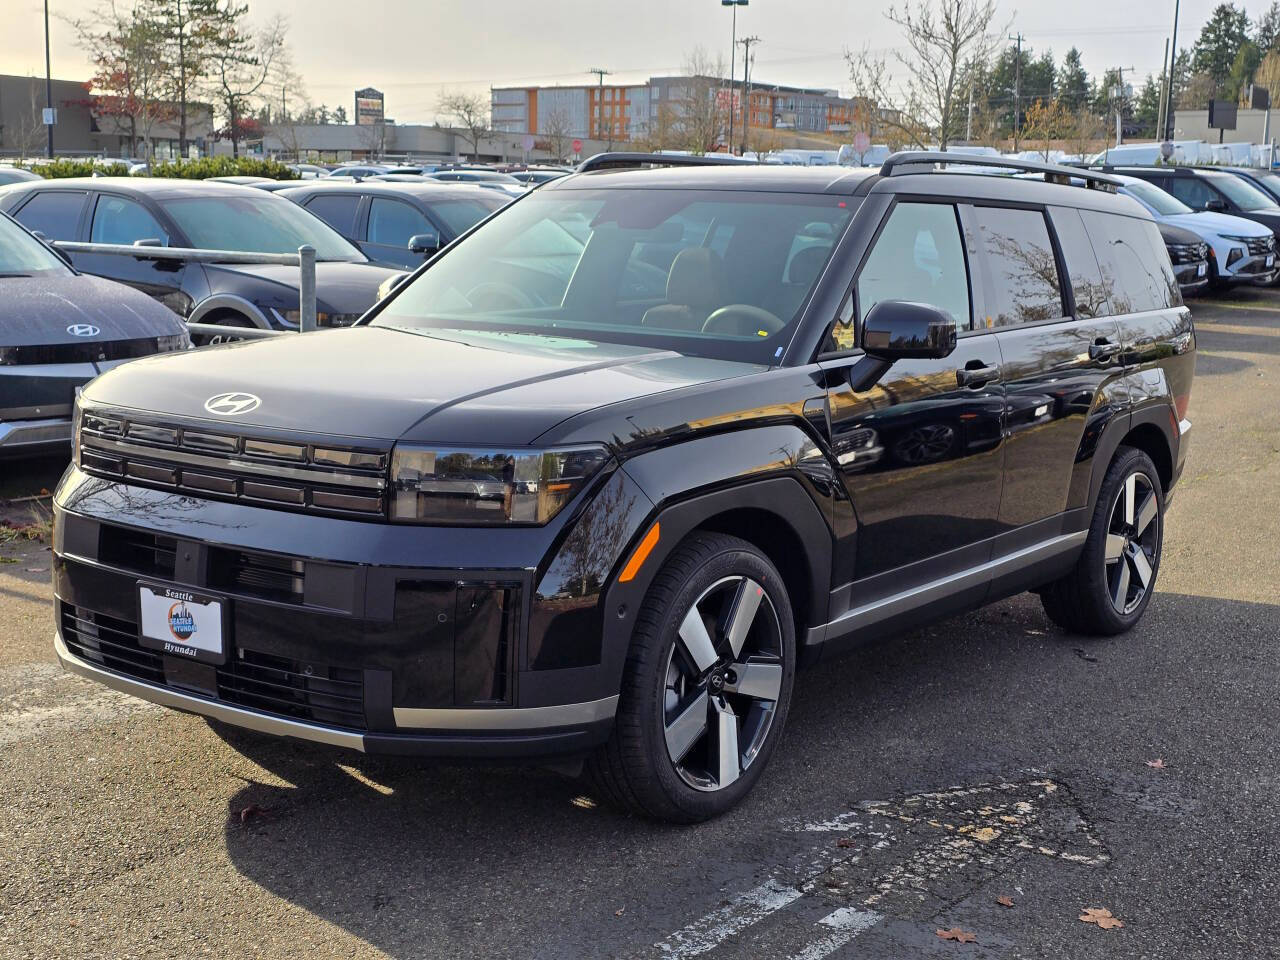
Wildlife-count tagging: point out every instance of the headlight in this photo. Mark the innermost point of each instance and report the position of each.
(293, 318)
(1228, 236)
(177, 341)
(442, 485)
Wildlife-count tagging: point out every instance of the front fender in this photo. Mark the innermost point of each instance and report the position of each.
(229, 301)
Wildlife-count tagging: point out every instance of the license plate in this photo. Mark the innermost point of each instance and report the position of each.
(1202, 270)
(181, 623)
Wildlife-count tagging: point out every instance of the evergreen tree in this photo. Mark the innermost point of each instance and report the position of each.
(1267, 34)
(1219, 42)
(1146, 110)
(1073, 82)
(1242, 71)
(186, 28)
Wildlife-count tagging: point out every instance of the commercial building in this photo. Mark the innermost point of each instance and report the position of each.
(633, 111)
(86, 126)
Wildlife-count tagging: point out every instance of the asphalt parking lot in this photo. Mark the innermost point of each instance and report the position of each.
(920, 781)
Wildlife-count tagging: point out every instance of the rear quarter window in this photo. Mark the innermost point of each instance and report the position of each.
(55, 213)
(1091, 294)
(1022, 272)
(1134, 263)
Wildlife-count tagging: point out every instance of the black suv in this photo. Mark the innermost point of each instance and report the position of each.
(208, 216)
(1215, 190)
(598, 478)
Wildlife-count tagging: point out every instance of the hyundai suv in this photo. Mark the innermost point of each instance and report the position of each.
(596, 480)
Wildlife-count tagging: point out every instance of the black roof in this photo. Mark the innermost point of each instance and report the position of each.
(728, 176)
(425, 189)
(146, 186)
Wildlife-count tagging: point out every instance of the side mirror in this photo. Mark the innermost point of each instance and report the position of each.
(902, 330)
(1216, 205)
(424, 242)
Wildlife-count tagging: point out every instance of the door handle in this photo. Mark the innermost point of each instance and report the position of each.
(1103, 349)
(976, 374)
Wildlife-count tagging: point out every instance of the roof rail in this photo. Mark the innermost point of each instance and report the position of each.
(927, 161)
(631, 161)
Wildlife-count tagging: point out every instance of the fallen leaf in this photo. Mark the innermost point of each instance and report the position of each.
(958, 935)
(1005, 901)
(252, 810)
(845, 842)
(1102, 917)
(620, 911)
(1156, 764)
(8, 559)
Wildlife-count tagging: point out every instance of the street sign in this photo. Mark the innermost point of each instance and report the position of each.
(1222, 115)
(577, 146)
(1259, 97)
(527, 142)
(50, 115)
(861, 141)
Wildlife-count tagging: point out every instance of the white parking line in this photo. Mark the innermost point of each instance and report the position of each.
(845, 923)
(710, 931)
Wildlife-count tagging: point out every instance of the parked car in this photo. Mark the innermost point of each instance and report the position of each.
(1268, 181)
(241, 181)
(210, 216)
(484, 178)
(309, 171)
(358, 171)
(1189, 255)
(533, 178)
(397, 224)
(16, 175)
(1211, 190)
(59, 330)
(527, 509)
(1240, 250)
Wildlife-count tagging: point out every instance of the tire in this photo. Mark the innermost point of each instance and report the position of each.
(687, 699)
(1106, 593)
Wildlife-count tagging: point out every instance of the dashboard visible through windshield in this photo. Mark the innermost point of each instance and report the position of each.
(715, 273)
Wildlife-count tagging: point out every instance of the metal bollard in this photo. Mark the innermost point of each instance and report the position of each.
(307, 288)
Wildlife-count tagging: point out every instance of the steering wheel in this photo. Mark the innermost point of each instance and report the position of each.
(743, 320)
(497, 295)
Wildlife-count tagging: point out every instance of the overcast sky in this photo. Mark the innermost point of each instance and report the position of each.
(413, 50)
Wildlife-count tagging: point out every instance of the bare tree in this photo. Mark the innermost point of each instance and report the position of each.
(27, 132)
(469, 112)
(942, 36)
(240, 63)
(557, 131)
(287, 103)
(703, 111)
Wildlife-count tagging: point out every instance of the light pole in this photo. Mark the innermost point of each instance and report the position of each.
(1173, 62)
(733, 47)
(48, 81)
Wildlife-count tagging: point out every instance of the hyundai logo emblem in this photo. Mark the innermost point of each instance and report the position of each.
(83, 330)
(231, 404)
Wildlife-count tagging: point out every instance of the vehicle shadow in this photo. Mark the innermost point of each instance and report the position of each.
(424, 860)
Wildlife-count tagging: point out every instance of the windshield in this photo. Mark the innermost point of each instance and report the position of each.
(256, 224)
(1156, 199)
(22, 255)
(1244, 194)
(711, 273)
(461, 215)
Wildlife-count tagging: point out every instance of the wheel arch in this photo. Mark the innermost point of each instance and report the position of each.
(228, 303)
(1152, 441)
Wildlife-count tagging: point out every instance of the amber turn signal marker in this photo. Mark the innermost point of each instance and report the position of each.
(640, 556)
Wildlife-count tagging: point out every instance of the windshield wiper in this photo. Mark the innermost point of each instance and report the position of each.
(8, 276)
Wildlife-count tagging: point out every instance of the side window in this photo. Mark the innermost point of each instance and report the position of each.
(338, 212)
(1092, 296)
(1192, 191)
(918, 256)
(1021, 268)
(1133, 261)
(393, 222)
(56, 214)
(119, 220)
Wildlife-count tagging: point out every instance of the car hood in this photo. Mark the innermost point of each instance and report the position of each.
(42, 311)
(380, 383)
(1208, 221)
(342, 287)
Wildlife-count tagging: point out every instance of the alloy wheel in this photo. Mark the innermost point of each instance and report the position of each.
(1133, 543)
(723, 679)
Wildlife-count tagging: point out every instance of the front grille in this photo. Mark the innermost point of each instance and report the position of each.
(311, 477)
(257, 574)
(1258, 246)
(1188, 252)
(333, 696)
(89, 352)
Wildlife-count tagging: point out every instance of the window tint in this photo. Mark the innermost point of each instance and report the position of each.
(56, 214)
(461, 215)
(393, 222)
(918, 256)
(1091, 295)
(1243, 194)
(119, 220)
(1022, 272)
(1192, 191)
(1135, 265)
(337, 212)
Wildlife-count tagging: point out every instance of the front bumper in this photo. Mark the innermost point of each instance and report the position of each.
(513, 733)
(1192, 277)
(31, 437)
(1252, 269)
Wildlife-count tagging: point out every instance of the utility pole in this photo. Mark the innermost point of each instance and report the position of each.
(601, 73)
(733, 46)
(968, 124)
(747, 43)
(48, 82)
(1163, 78)
(1173, 63)
(1017, 92)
